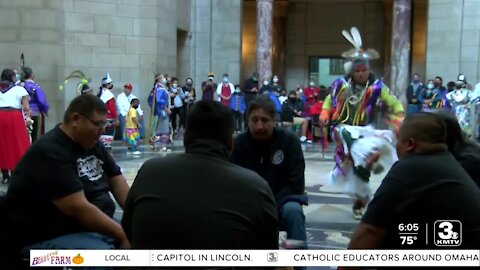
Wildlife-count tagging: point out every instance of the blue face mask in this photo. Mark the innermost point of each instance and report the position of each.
(17, 76)
(225, 80)
(237, 91)
(430, 86)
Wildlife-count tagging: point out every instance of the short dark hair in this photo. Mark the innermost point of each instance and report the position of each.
(134, 99)
(424, 127)
(208, 119)
(8, 74)
(451, 84)
(440, 78)
(84, 104)
(27, 72)
(262, 102)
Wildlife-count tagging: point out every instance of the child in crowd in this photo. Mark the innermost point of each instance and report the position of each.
(237, 105)
(131, 128)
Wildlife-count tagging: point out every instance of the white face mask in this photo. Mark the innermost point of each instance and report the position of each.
(164, 81)
(265, 82)
(312, 84)
(175, 85)
(275, 80)
(210, 78)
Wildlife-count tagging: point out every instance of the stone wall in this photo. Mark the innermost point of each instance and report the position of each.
(216, 40)
(453, 39)
(314, 29)
(36, 29)
(130, 39)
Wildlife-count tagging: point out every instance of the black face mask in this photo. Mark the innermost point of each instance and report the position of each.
(135, 106)
(292, 98)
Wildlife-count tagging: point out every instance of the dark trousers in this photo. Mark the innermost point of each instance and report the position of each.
(180, 111)
(238, 120)
(38, 127)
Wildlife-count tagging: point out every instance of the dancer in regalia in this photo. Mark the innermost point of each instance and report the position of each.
(355, 101)
(109, 99)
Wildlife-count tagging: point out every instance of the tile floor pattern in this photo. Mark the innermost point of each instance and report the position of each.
(328, 216)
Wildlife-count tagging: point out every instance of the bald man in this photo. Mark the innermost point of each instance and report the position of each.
(420, 189)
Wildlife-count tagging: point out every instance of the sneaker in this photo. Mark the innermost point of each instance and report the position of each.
(303, 139)
(137, 152)
(309, 141)
(129, 152)
(357, 214)
(164, 149)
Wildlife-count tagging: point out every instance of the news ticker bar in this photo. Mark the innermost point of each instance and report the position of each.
(171, 258)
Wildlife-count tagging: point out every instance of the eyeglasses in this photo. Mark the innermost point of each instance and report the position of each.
(98, 124)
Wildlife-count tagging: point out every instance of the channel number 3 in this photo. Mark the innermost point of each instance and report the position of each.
(447, 233)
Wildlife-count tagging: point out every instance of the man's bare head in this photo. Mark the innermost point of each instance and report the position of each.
(422, 133)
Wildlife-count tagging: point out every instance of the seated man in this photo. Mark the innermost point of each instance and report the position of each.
(421, 189)
(291, 113)
(199, 200)
(276, 155)
(59, 192)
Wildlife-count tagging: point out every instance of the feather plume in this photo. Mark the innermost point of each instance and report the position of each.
(348, 37)
(356, 37)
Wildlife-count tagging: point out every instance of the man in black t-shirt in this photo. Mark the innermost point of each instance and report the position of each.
(199, 200)
(59, 192)
(425, 186)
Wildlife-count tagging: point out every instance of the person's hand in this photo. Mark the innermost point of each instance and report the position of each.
(117, 123)
(139, 126)
(254, 89)
(168, 110)
(414, 100)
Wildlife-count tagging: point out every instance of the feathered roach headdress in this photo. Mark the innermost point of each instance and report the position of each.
(83, 86)
(357, 54)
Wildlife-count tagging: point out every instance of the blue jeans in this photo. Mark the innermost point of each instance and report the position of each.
(121, 119)
(292, 219)
(83, 240)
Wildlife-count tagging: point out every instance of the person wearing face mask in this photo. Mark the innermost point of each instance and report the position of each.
(237, 105)
(311, 94)
(461, 101)
(266, 88)
(190, 94)
(426, 96)
(208, 87)
(177, 96)
(225, 91)
(276, 87)
(132, 126)
(124, 100)
(38, 103)
(250, 88)
(159, 101)
(106, 95)
(291, 112)
(412, 93)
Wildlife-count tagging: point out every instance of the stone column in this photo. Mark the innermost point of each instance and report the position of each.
(400, 60)
(264, 39)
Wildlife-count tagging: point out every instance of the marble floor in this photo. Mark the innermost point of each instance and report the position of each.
(328, 216)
